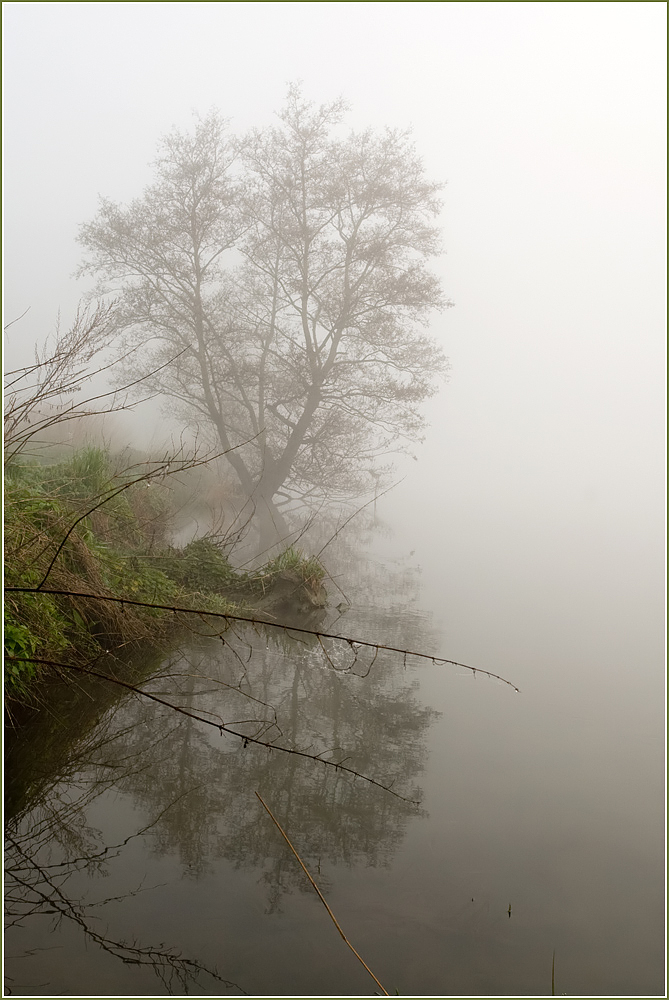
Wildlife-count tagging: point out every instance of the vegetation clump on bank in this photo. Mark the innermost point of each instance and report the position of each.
(86, 526)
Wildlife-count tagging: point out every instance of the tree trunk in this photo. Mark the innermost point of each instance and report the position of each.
(273, 530)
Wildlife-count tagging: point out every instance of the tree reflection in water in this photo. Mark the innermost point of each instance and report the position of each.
(195, 787)
(50, 842)
(374, 723)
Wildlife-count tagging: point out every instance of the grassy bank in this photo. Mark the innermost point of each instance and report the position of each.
(85, 524)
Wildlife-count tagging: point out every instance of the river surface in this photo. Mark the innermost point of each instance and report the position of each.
(141, 862)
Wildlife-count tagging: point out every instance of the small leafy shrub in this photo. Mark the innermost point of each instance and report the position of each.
(20, 643)
(202, 566)
(306, 568)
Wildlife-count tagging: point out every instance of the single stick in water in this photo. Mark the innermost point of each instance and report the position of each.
(320, 894)
(553, 976)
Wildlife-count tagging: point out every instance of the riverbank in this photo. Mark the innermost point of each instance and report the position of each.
(87, 525)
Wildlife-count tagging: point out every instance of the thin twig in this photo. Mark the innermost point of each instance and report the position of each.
(178, 609)
(320, 894)
(355, 513)
(221, 726)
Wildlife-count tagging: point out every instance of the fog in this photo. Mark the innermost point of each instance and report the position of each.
(535, 506)
(545, 120)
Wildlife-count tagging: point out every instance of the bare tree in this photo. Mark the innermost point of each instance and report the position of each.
(48, 392)
(305, 340)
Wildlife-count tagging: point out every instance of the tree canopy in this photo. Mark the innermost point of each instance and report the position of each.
(286, 274)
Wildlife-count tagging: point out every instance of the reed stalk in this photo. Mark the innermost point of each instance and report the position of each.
(320, 894)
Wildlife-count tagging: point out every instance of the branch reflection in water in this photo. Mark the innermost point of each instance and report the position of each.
(193, 789)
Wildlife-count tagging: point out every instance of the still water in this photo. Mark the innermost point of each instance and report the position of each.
(140, 861)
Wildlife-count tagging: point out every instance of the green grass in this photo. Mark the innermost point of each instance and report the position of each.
(119, 549)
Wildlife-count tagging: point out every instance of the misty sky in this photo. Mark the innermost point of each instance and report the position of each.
(546, 120)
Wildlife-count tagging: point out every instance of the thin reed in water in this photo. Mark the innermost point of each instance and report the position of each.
(320, 894)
